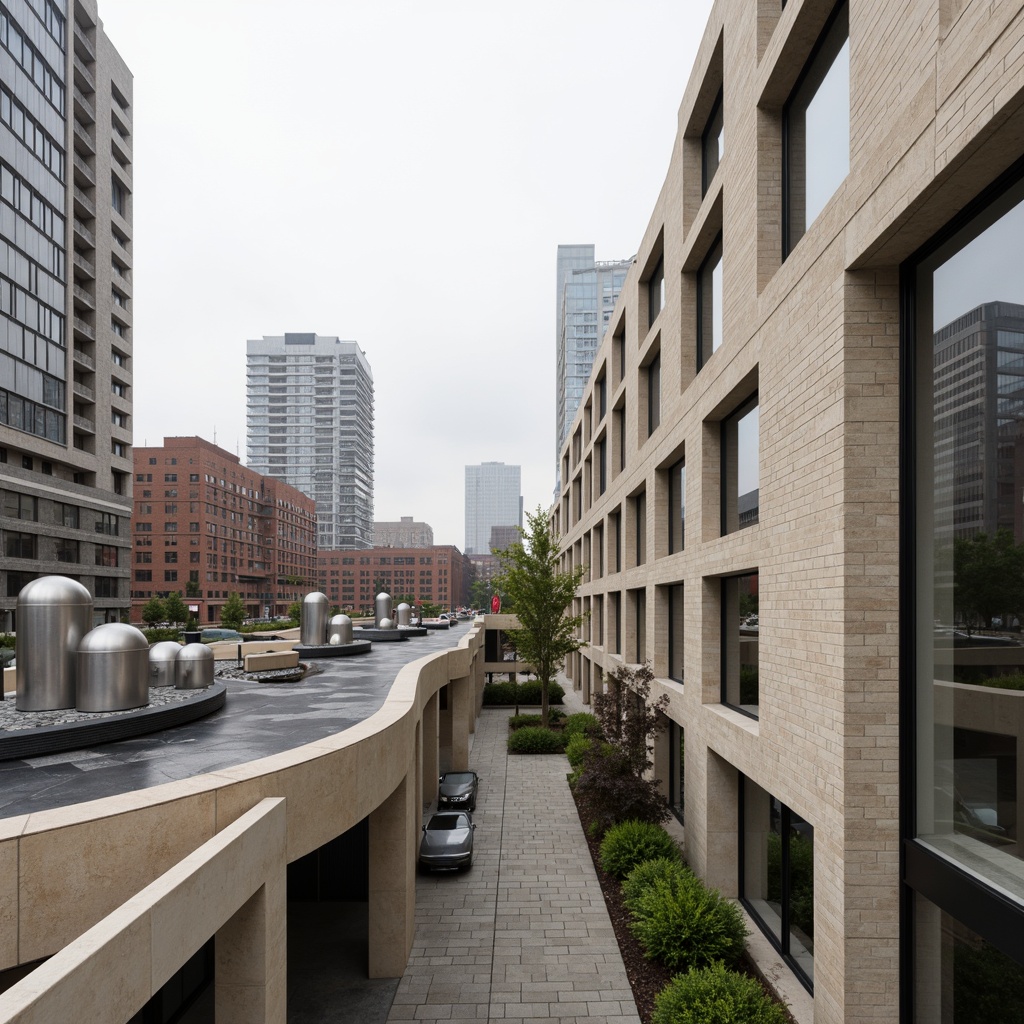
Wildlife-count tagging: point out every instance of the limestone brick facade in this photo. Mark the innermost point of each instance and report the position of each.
(936, 114)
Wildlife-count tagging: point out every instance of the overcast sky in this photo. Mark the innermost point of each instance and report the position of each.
(397, 173)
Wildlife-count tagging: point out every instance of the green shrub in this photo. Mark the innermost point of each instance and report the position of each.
(529, 692)
(583, 724)
(685, 925)
(8, 640)
(715, 995)
(509, 694)
(499, 694)
(533, 740)
(646, 873)
(154, 634)
(576, 747)
(522, 721)
(630, 843)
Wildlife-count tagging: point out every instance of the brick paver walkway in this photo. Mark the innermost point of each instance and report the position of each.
(524, 935)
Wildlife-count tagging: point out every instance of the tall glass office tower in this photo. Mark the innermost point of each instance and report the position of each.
(586, 295)
(493, 498)
(309, 422)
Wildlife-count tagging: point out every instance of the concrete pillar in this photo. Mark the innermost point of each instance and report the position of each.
(460, 704)
(430, 764)
(394, 828)
(251, 973)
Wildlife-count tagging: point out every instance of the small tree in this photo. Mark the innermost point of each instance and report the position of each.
(175, 609)
(154, 611)
(192, 589)
(295, 611)
(233, 612)
(540, 593)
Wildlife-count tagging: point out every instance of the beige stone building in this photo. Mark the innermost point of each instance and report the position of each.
(790, 458)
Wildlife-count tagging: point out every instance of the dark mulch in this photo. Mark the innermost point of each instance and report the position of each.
(646, 977)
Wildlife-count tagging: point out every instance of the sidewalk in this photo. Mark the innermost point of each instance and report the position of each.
(524, 934)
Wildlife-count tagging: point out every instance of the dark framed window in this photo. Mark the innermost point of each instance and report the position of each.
(640, 527)
(69, 516)
(620, 435)
(616, 613)
(602, 396)
(777, 876)
(675, 632)
(741, 467)
(816, 130)
(712, 144)
(655, 291)
(961, 544)
(67, 550)
(653, 374)
(639, 602)
(677, 507)
(19, 545)
(601, 455)
(740, 643)
(677, 769)
(709, 304)
(615, 540)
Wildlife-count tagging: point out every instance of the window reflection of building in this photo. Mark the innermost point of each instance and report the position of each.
(964, 861)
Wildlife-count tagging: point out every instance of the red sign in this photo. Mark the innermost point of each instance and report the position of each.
(495, 604)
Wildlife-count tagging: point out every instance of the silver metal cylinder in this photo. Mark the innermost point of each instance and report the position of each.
(340, 630)
(403, 614)
(54, 613)
(195, 667)
(162, 658)
(381, 608)
(113, 669)
(313, 628)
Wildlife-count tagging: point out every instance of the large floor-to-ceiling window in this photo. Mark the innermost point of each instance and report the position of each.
(964, 605)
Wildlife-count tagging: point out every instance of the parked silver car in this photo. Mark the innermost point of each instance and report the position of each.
(447, 841)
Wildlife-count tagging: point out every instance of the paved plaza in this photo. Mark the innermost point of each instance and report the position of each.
(524, 935)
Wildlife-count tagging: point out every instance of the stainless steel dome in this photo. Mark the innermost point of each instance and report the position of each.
(194, 667)
(113, 669)
(162, 659)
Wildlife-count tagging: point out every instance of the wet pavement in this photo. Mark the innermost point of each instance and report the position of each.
(257, 720)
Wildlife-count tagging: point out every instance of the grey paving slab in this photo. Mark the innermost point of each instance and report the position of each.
(523, 936)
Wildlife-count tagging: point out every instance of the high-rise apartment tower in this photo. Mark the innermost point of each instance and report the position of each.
(65, 303)
(493, 498)
(586, 293)
(310, 423)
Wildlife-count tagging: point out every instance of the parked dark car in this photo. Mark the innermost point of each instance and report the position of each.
(447, 841)
(457, 790)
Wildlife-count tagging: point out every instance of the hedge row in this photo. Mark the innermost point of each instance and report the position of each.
(510, 694)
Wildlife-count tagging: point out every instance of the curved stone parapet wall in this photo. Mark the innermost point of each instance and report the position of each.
(64, 870)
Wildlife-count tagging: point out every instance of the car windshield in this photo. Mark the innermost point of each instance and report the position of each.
(447, 822)
(458, 778)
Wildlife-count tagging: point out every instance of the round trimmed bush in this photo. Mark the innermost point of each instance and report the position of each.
(583, 724)
(646, 873)
(627, 844)
(499, 694)
(576, 748)
(534, 740)
(529, 692)
(685, 925)
(715, 995)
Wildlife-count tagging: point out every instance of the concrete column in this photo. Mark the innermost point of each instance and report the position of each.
(430, 768)
(251, 976)
(461, 706)
(394, 827)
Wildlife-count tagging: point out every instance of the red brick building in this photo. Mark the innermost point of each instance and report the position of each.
(352, 579)
(206, 526)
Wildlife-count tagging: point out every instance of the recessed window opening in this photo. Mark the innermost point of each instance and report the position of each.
(653, 373)
(656, 291)
(740, 643)
(677, 507)
(816, 131)
(712, 144)
(741, 468)
(709, 304)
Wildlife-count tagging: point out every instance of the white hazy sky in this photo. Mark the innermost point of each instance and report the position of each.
(398, 173)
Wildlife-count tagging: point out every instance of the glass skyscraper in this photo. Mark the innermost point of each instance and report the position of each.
(493, 498)
(586, 295)
(310, 423)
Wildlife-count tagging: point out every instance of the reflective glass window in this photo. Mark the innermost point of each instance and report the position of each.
(677, 507)
(740, 643)
(709, 304)
(816, 128)
(969, 594)
(741, 468)
(712, 144)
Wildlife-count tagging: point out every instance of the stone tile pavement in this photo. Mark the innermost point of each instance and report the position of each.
(524, 934)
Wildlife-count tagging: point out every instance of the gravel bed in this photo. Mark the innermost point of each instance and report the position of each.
(12, 720)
